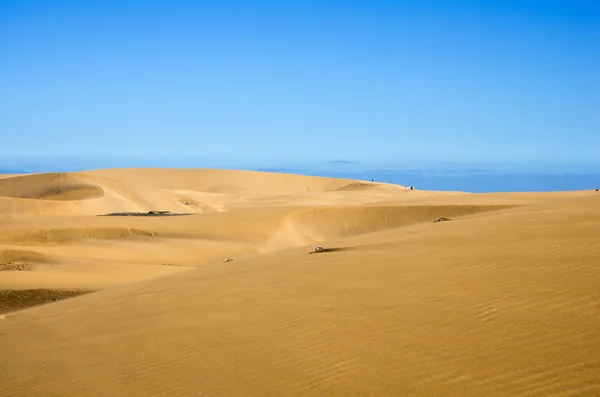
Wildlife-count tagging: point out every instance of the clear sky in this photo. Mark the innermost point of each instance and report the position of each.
(279, 81)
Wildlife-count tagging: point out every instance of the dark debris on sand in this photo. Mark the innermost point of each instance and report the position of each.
(14, 267)
(149, 213)
(17, 299)
(327, 250)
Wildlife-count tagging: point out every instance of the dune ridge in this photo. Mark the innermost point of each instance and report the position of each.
(502, 299)
(312, 225)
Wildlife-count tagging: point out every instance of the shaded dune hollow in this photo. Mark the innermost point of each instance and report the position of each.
(18, 299)
(23, 256)
(322, 224)
(58, 186)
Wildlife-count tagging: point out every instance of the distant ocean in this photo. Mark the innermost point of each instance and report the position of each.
(468, 181)
(448, 177)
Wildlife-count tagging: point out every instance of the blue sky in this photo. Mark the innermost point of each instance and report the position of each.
(191, 83)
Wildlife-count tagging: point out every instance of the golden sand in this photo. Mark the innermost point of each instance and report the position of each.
(501, 300)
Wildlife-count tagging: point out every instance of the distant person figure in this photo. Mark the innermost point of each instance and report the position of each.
(412, 188)
(372, 180)
(596, 189)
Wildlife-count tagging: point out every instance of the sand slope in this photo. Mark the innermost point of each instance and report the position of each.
(501, 300)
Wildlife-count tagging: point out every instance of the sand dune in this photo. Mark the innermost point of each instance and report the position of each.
(24, 256)
(314, 225)
(2, 176)
(210, 180)
(500, 300)
(58, 186)
(80, 194)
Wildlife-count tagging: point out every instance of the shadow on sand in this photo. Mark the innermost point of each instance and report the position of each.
(329, 250)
